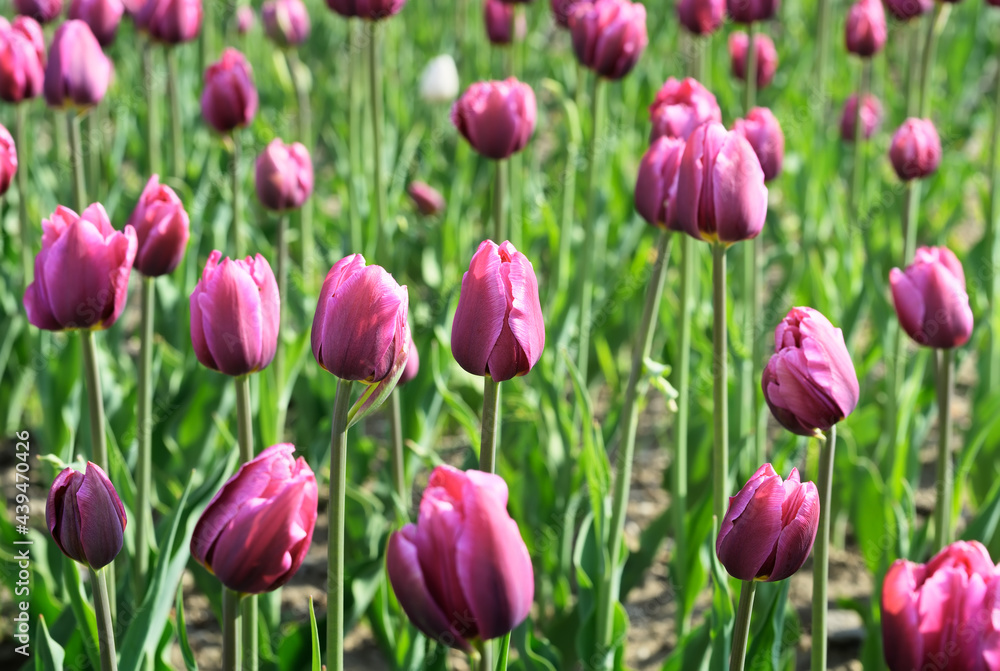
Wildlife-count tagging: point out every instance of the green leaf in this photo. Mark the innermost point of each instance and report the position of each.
(692, 652)
(189, 661)
(534, 653)
(765, 644)
(50, 654)
(314, 637)
(84, 612)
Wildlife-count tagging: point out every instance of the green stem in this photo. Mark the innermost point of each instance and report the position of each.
(720, 456)
(945, 472)
(279, 354)
(23, 226)
(231, 649)
(398, 455)
(244, 420)
(569, 196)
(993, 284)
(486, 656)
(76, 161)
(353, 134)
(504, 649)
(176, 120)
(858, 167)
(821, 550)
(237, 200)
(750, 90)
(335, 550)
(491, 421)
(741, 631)
(153, 138)
(934, 28)
(590, 220)
(913, 63)
(95, 400)
(105, 622)
(143, 475)
(822, 48)
(375, 95)
(95, 139)
(499, 229)
(679, 481)
(300, 76)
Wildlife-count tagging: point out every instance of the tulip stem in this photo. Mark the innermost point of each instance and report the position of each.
(720, 460)
(751, 304)
(76, 161)
(375, 92)
(821, 549)
(934, 28)
(858, 167)
(94, 141)
(244, 426)
(279, 354)
(569, 194)
(300, 76)
(20, 123)
(679, 479)
(237, 201)
(945, 472)
(491, 420)
(822, 40)
(993, 284)
(105, 622)
(176, 120)
(231, 650)
(398, 455)
(750, 90)
(335, 550)
(590, 219)
(144, 420)
(353, 134)
(741, 631)
(504, 650)
(153, 138)
(499, 230)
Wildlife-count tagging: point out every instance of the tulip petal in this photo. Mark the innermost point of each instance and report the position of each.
(795, 541)
(909, 303)
(270, 303)
(753, 531)
(232, 318)
(101, 519)
(479, 317)
(902, 642)
(525, 316)
(342, 269)
(739, 193)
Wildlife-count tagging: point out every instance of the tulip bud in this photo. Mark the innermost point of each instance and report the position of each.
(701, 17)
(412, 365)
(682, 106)
(285, 21)
(930, 299)
(723, 183)
(162, 227)
(229, 99)
(502, 26)
(498, 328)
(904, 10)
(42, 11)
(81, 274)
(439, 80)
(749, 11)
(809, 383)
(78, 72)
(85, 516)
(916, 149)
(609, 36)
(562, 10)
(103, 17)
(171, 21)
(769, 527)
(767, 57)
(284, 176)
(235, 315)
(871, 118)
(257, 529)
(244, 19)
(497, 118)
(22, 60)
(462, 572)
(656, 186)
(763, 132)
(371, 10)
(866, 32)
(8, 159)
(427, 199)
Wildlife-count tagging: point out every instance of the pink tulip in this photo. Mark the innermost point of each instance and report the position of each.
(171, 21)
(235, 315)
(371, 10)
(916, 149)
(609, 36)
(656, 186)
(942, 615)
(256, 531)
(930, 299)
(244, 19)
(723, 183)
(162, 227)
(42, 11)
(285, 21)
(701, 17)
(427, 199)
(763, 132)
(502, 25)
(682, 106)
(412, 365)
(561, 11)
(85, 516)
(229, 99)
(78, 72)
(749, 11)
(769, 527)
(284, 176)
(462, 572)
(871, 118)
(103, 17)
(22, 60)
(809, 383)
(767, 57)
(81, 274)
(904, 10)
(8, 159)
(866, 32)
(496, 117)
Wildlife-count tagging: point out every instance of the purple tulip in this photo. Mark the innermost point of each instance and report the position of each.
(496, 117)
(609, 36)
(930, 299)
(8, 159)
(22, 60)
(171, 21)
(562, 10)
(427, 199)
(42, 11)
(701, 17)
(235, 315)
(763, 132)
(257, 529)
(748, 11)
(103, 17)
(680, 107)
(285, 21)
(284, 176)
(915, 151)
(656, 186)
(462, 572)
(412, 365)
(769, 527)
(244, 19)
(871, 117)
(229, 99)
(766, 55)
(78, 72)
(85, 516)
(371, 10)
(81, 274)
(865, 32)
(162, 227)
(809, 383)
(503, 25)
(904, 10)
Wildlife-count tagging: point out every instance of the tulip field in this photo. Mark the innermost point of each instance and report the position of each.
(499, 334)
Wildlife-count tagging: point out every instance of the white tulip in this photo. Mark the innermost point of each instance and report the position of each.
(439, 82)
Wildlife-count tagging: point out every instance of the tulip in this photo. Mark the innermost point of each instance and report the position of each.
(942, 615)
(284, 176)
(244, 19)
(748, 11)
(81, 274)
(371, 10)
(229, 99)
(462, 572)
(427, 199)
(42, 11)
(866, 32)
(285, 21)
(496, 117)
(767, 57)
(763, 131)
(103, 17)
(85, 516)
(8, 159)
(171, 21)
(609, 36)
(162, 227)
(701, 17)
(809, 383)
(412, 365)
(78, 72)
(502, 26)
(871, 117)
(562, 10)
(682, 106)
(439, 80)
(257, 529)
(905, 10)
(916, 149)
(656, 186)
(22, 60)
(930, 299)
(235, 315)
(723, 182)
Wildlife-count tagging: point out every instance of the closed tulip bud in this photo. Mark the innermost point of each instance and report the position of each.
(162, 227)
(723, 183)
(701, 17)
(994, 3)
(22, 60)
(412, 365)
(871, 118)
(942, 614)
(439, 80)
(904, 10)
(916, 149)
(502, 26)
(427, 199)
(85, 516)
(285, 21)
(809, 383)
(866, 31)
(609, 36)
(763, 132)
(562, 10)
(78, 72)
(680, 107)
(244, 19)
(767, 57)
(498, 328)
(656, 186)
(462, 572)
(81, 274)
(749, 11)
(497, 118)
(42, 11)
(235, 315)
(8, 159)
(284, 176)
(229, 99)
(171, 21)
(930, 299)
(371, 10)
(769, 527)
(103, 17)
(257, 529)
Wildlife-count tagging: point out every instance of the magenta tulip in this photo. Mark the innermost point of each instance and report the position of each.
(22, 60)
(412, 365)
(284, 176)
(42, 11)
(871, 118)
(496, 117)
(764, 134)
(809, 383)
(427, 199)
(930, 299)
(235, 315)
(78, 72)
(171, 21)
(103, 17)
(701, 17)
(682, 106)
(162, 227)
(244, 19)
(8, 159)
(609, 36)
(749, 11)
(866, 32)
(904, 10)
(503, 24)
(285, 21)
(915, 151)
(766, 55)
(229, 99)
(462, 572)
(561, 11)
(769, 527)
(85, 516)
(656, 186)
(371, 10)
(256, 531)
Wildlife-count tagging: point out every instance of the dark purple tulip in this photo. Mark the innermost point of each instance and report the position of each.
(763, 131)
(103, 17)
(78, 72)
(42, 11)
(701, 17)
(85, 516)
(371, 10)
(503, 24)
(171, 21)
(767, 57)
(427, 199)
(904, 10)
(285, 21)
(162, 227)
(930, 299)
(561, 11)
(680, 107)
(497, 118)
(871, 118)
(915, 151)
(866, 32)
(609, 36)
(656, 185)
(284, 176)
(748, 11)
(8, 159)
(229, 99)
